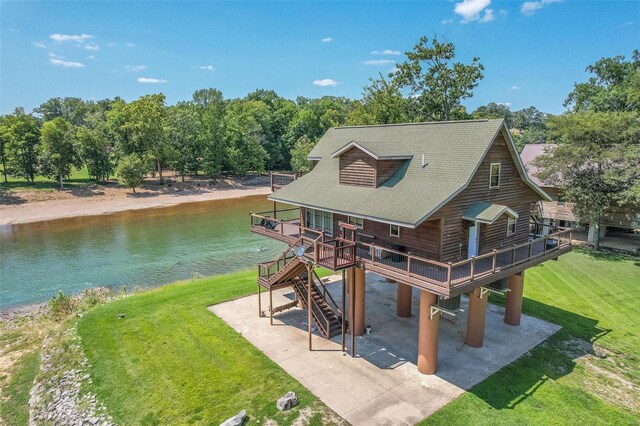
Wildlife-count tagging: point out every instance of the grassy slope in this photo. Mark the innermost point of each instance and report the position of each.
(77, 178)
(14, 405)
(594, 298)
(171, 361)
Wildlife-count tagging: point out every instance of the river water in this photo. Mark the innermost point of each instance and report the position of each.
(143, 248)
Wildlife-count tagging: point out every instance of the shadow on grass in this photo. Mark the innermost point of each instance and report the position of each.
(551, 360)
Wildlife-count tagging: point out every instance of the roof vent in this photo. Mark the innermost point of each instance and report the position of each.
(424, 161)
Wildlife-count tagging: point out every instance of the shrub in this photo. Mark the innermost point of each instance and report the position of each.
(131, 171)
(61, 304)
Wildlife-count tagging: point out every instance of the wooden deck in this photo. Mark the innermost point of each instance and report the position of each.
(444, 279)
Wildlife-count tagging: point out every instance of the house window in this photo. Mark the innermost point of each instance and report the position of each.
(357, 221)
(494, 178)
(394, 230)
(511, 226)
(319, 220)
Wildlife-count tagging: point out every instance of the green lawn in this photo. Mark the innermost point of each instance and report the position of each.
(171, 361)
(594, 297)
(14, 404)
(77, 178)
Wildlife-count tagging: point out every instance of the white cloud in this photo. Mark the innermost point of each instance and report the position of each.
(92, 46)
(327, 40)
(380, 62)
(471, 10)
(151, 80)
(446, 21)
(206, 68)
(507, 104)
(503, 12)
(626, 24)
(60, 61)
(487, 17)
(39, 44)
(78, 38)
(386, 52)
(91, 57)
(112, 44)
(530, 7)
(515, 88)
(325, 82)
(129, 44)
(135, 68)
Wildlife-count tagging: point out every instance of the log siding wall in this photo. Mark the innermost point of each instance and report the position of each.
(357, 168)
(512, 192)
(386, 169)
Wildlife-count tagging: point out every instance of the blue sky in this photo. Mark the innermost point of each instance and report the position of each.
(532, 51)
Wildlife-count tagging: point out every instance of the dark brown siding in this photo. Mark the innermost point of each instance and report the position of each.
(357, 168)
(386, 169)
(513, 193)
(494, 236)
(422, 241)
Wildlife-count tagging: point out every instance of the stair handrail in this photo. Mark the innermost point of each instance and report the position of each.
(314, 307)
(327, 295)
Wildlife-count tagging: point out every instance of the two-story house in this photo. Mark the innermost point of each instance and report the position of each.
(443, 207)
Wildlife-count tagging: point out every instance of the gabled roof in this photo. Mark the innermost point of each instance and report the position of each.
(380, 150)
(530, 152)
(452, 150)
(487, 212)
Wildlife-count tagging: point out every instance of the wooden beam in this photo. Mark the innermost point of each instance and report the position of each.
(309, 302)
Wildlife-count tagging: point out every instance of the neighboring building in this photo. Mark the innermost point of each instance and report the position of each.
(443, 207)
(558, 212)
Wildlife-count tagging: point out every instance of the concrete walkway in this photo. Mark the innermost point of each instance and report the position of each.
(382, 386)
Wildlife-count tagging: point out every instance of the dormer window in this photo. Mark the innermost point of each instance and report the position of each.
(494, 175)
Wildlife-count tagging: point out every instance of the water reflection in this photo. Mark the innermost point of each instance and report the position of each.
(140, 248)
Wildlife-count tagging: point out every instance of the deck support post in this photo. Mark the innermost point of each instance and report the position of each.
(513, 303)
(428, 334)
(309, 302)
(404, 296)
(476, 316)
(359, 285)
(270, 306)
(344, 287)
(259, 302)
(352, 307)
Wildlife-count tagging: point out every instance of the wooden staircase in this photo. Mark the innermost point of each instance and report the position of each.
(291, 270)
(324, 311)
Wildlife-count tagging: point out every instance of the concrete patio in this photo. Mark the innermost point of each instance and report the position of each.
(382, 385)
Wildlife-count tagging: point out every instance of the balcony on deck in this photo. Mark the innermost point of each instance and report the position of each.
(445, 279)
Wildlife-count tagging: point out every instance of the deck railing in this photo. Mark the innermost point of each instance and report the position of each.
(450, 275)
(337, 254)
(279, 180)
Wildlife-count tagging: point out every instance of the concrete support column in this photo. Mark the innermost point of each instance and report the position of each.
(428, 334)
(513, 304)
(476, 318)
(404, 296)
(358, 323)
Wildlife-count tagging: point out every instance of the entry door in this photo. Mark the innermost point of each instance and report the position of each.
(474, 236)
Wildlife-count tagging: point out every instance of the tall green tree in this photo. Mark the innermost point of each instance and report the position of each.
(74, 110)
(382, 103)
(21, 136)
(245, 134)
(597, 162)
(435, 82)
(58, 151)
(96, 151)
(210, 104)
(141, 126)
(3, 145)
(299, 154)
(614, 85)
(184, 128)
(495, 110)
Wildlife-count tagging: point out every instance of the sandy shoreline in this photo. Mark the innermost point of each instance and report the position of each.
(105, 204)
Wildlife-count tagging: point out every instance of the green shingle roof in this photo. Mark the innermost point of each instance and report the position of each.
(452, 152)
(487, 212)
(380, 150)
